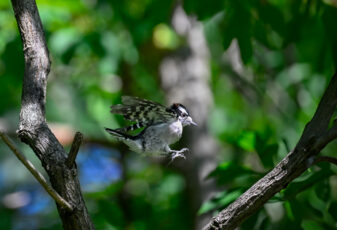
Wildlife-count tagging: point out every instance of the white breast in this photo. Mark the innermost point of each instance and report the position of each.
(158, 137)
(175, 130)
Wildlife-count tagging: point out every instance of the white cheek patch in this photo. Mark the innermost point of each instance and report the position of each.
(183, 111)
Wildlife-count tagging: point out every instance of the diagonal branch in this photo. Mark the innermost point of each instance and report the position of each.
(314, 138)
(318, 125)
(38, 176)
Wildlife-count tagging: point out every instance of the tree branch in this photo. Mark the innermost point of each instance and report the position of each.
(78, 139)
(38, 176)
(331, 160)
(314, 138)
(33, 128)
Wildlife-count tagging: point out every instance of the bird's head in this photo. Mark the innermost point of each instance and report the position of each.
(183, 114)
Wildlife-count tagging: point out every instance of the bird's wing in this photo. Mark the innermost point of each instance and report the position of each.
(143, 112)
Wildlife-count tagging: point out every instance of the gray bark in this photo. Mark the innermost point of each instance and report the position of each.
(33, 129)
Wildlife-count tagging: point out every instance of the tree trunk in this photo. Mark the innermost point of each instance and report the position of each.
(33, 129)
(184, 77)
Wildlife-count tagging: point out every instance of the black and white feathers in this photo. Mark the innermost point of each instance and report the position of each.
(162, 125)
(143, 112)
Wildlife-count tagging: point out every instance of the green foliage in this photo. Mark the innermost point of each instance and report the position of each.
(225, 171)
(103, 49)
(220, 201)
(306, 181)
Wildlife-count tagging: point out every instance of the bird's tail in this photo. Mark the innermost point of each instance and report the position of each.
(119, 135)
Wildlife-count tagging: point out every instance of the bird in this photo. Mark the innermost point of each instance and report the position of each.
(162, 125)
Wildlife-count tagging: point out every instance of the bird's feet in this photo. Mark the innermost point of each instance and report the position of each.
(176, 154)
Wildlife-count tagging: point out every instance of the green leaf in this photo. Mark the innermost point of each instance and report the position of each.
(333, 210)
(229, 198)
(245, 44)
(220, 201)
(206, 207)
(272, 16)
(227, 171)
(311, 225)
(297, 187)
(64, 39)
(265, 150)
(296, 211)
(203, 8)
(246, 140)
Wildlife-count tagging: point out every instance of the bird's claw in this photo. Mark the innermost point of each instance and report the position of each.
(179, 154)
(183, 150)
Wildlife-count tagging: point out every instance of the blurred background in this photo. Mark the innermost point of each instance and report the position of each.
(250, 72)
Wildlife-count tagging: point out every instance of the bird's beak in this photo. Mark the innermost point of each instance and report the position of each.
(193, 123)
(189, 121)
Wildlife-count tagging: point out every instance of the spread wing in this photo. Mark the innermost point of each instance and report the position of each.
(143, 112)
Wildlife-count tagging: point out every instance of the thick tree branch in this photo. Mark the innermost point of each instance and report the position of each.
(38, 176)
(315, 137)
(33, 128)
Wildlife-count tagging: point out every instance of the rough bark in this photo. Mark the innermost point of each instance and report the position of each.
(33, 129)
(315, 137)
(184, 76)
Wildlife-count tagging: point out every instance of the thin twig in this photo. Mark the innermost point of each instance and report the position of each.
(40, 178)
(332, 160)
(78, 139)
